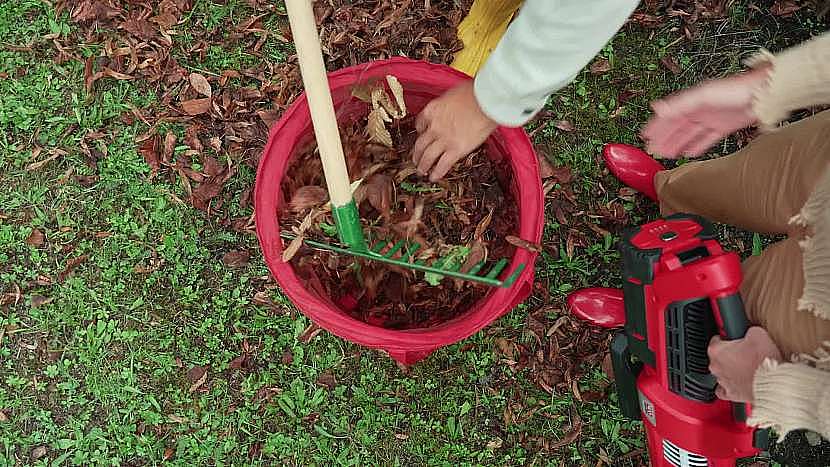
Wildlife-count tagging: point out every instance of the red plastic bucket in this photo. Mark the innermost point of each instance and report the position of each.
(421, 81)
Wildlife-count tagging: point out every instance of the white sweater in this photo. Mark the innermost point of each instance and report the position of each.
(543, 50)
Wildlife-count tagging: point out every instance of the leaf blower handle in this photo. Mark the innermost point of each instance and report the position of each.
(734, 325)
(318, 94)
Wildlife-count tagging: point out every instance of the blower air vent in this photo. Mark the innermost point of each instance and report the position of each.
(679, 457)
(689, 327)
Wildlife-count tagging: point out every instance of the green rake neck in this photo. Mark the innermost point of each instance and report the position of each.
(374, 254)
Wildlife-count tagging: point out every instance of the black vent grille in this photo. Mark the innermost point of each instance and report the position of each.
(690, 326)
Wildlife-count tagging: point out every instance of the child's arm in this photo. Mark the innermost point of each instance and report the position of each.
(544, 49)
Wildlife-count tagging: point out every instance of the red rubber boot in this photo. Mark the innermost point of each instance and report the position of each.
(602, 307)
(632, 166)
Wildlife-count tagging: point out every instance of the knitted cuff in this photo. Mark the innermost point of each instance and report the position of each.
(791, 397)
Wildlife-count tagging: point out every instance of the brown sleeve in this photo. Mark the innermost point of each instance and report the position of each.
(799, 78)
(791, 396)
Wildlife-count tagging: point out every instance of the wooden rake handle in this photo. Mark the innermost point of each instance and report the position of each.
(315, 81)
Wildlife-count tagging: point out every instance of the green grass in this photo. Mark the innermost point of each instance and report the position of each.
(94, 363)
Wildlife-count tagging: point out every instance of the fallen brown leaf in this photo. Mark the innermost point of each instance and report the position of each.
(240, 362)
(236, 259)
(545, 167)
(93, 10)
(140, 28)
(168, 454)
(327, 380)
(196, 106)
(564, 125)
(54, 155)
(3, 417)
(785, 8)
(376, 127)
(197, 376)
(200, 84)
(563, 175)
(35, 239)
(70, 266)
(671, 64)
(521, 243)
(149, 150)
(309, 333)
(600, 66)
(40, 300)
(570, 436)
(307, 197)
(268, 116)
(38, 452)
(397, 92)
(169, 147)
(195, 373)
(287, 357)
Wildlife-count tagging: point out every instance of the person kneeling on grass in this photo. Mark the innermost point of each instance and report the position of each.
(778, 184)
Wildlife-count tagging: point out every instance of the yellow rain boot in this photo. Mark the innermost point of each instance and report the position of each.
(481, 31)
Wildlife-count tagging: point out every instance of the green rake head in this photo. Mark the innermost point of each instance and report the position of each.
(443, 266)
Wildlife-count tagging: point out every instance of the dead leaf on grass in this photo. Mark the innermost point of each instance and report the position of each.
(495, 444)
(54, 154)
(38, 452)
(197, 376)
(200, 84)
(309, 333)
(149, 150)
(564, 125)
(240, 362)
(600, 66)
(545, 167)
(70, 266)
(93, 10)
(35, 239)
(785, 8)
(40, 300)
(521, 243)
(570, 436)
(196, 106)
(671, 64)
(327, 380)
(236, 259)
(3, 417)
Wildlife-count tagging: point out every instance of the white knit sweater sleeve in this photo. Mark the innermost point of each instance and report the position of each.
(543, 50)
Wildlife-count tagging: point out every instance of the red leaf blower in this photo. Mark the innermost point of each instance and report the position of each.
(680, 288)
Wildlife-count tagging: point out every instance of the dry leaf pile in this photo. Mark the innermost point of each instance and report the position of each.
(471, 214)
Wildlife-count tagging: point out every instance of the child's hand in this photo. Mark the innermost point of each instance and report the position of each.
(734, 363)
(691, 121)
(450, 128)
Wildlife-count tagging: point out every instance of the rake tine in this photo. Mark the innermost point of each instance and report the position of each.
(455, 267)
(410, 252)
(510, 280)
(379, 246)
(475, 269)
(497, 269)
(397, 246)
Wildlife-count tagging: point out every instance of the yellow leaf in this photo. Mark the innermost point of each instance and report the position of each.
(397, 92)
(381, 100)
(376, 128)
